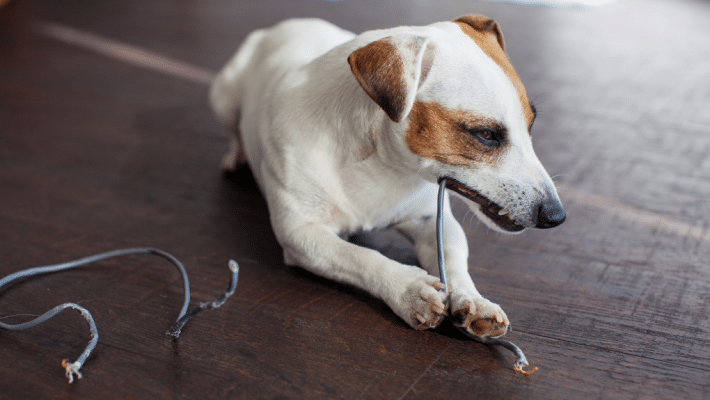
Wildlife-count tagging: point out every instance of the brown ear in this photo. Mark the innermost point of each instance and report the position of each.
(390, 70)
(487, 35)
(483, 25)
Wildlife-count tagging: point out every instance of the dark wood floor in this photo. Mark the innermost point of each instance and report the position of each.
(98, 154)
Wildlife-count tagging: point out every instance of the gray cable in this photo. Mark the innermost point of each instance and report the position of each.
(440, 235)
(210, 305)
(99, 257)
(73, 368)
(521, 361)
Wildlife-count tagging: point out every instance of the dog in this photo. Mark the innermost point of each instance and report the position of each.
(347, 133)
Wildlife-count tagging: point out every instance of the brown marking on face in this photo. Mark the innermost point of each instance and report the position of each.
(380, 73)
(437, 133)
(488, 36)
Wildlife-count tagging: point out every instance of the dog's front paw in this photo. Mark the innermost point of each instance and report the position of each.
(422, 305)
(477, 315)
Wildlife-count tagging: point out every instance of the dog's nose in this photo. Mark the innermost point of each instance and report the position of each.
(550, 214)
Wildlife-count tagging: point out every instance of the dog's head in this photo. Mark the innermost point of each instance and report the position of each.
(462, 112)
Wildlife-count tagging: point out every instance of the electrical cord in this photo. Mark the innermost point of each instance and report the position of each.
(72, 369)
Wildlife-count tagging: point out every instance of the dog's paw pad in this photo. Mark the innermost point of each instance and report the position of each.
(425, 303)
(478, 316)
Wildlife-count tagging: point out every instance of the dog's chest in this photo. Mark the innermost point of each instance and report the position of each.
(364, 203)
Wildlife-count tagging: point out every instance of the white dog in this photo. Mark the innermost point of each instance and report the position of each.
(347, 133)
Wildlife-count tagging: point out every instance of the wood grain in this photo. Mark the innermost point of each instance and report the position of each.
(96, 154)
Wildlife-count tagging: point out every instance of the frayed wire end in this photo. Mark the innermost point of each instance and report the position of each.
(175, 330)
(233, 266)
(71, 370)
(519, 368)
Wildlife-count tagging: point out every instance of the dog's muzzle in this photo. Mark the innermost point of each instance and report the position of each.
(546, 214)
(489, 208)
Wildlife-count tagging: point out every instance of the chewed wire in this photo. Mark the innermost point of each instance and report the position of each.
(210, 305)
(521, 362)
(72, 369)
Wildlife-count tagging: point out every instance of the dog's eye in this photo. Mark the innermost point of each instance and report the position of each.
(485, 134)
(491, 136)
(488, 137)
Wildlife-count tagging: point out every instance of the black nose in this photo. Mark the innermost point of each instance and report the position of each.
(550, 214)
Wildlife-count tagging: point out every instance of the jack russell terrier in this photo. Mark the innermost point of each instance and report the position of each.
(347, 133)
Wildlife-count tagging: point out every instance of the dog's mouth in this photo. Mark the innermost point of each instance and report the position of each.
(496, 213)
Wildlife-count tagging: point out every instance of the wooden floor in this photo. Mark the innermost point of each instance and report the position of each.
(97, 153)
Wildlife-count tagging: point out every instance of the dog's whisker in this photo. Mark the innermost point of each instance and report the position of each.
(468, 212)
(558, 175)
(535, 100)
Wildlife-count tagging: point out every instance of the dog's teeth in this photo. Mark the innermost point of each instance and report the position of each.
(503, 212)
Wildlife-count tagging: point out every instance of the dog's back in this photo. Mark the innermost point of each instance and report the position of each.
(297, 40)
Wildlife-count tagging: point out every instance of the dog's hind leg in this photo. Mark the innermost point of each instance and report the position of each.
(235, 156)
(226, 94)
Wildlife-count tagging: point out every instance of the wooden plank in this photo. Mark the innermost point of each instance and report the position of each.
(97, 155)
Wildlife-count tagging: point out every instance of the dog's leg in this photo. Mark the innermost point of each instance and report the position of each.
(235, 156)
(409, 291)
(226, 97)
(468, 308)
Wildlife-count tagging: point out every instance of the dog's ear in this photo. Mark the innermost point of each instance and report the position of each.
(391, 70)
(483, 26)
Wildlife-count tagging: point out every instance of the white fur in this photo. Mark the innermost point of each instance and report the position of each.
(330, 162)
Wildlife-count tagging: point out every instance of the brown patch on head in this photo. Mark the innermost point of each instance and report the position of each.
(484, 25)
(380, 73)
(488, 36)
(440, 134)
